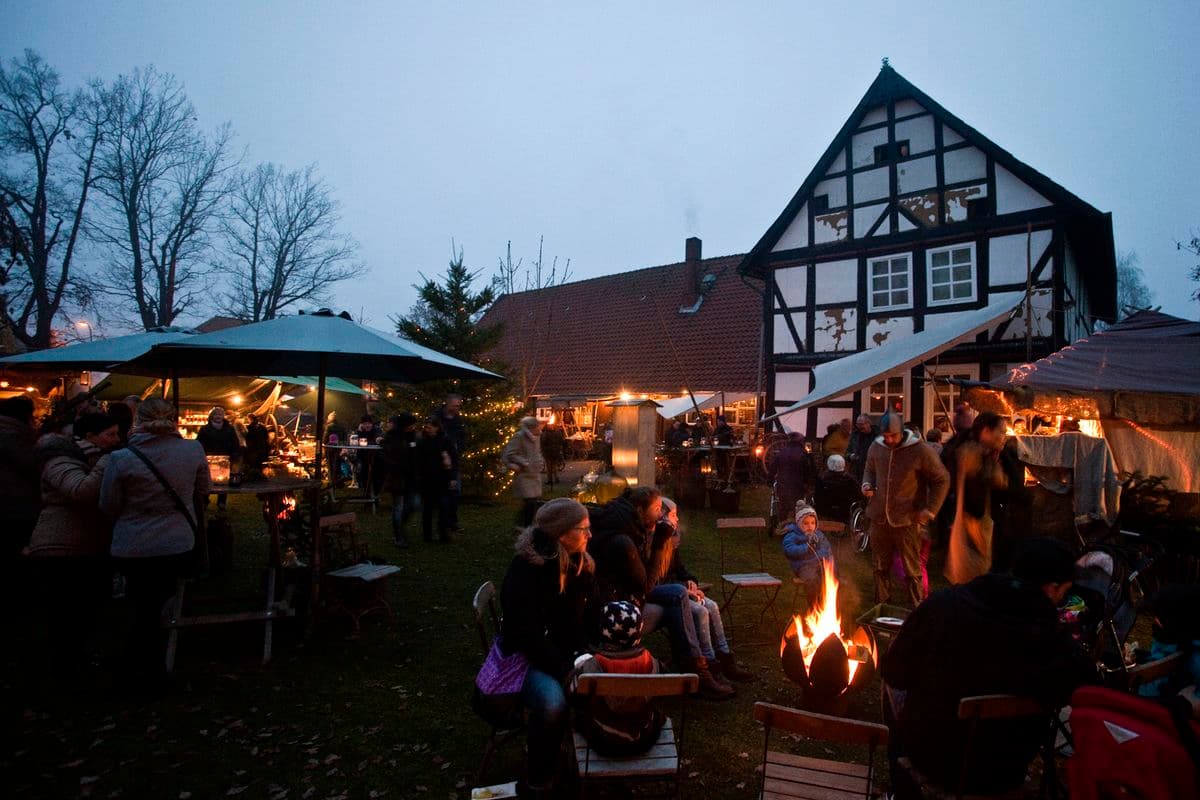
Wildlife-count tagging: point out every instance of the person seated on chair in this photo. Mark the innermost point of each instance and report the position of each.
(807, 552)
(706, 614)
(546, 599)
(618, 726)
(997, 634)
(837, 491)
(630, 548)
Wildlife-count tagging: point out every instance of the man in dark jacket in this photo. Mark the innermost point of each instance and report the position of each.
(998, 634)
(860, 442)
(399, 457)
(906, 485)
(218, 438)
(449, 419)
(791, 471)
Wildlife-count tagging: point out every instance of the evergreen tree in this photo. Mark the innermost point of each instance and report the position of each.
(446, 318)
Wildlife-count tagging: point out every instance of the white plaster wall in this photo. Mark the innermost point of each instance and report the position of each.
(906, 108)
(957, 199)
(904, 224)
(793, 285)
(950, 136)
(964, 164)
(796, 234)
(1013, 194)
(835, 330)
(839, 163)
(837, 281)
(862, 146)
(912, 176)
(918, 131)
(882, 330)
(871, 185)
(835, 188)
(791, 386)
(830, 227)
(875, 116)
(783, 342)
(1042, 317)
(865, 216)
(1006, 256)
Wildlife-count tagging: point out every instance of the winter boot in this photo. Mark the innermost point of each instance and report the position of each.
(732, 670)
(710, 687)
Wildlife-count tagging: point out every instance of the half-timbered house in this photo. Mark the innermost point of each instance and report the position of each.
(905, 256)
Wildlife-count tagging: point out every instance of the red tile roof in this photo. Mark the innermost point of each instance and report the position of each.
(213, 324)
(625, 331)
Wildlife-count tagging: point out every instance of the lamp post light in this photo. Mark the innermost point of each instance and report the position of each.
(83, 323)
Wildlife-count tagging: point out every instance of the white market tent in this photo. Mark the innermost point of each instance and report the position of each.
(673, 407)
(834, 379)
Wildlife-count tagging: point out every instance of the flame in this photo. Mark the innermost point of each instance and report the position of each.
(287, 507)
(821, 621)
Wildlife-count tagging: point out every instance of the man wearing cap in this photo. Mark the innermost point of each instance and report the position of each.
(906, 485)
(998, 634)
(860, 442)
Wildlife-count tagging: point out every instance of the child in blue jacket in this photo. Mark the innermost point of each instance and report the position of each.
(807, 550)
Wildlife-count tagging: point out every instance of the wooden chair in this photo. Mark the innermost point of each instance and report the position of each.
(791, 776)
(487, 626)
(733, 582)
(1142, 674)
(339, 535)
(977, 711)
(661, 761)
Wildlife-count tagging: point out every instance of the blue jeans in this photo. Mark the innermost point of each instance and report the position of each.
(685, 645)
(403, 506)
(547, 718)
(710, 631)
(449, 502)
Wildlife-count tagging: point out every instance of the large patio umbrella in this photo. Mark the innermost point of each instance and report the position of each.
(101, 354)
(320, 343)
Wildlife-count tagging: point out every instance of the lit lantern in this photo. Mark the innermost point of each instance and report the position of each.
(218, 470)
(634, 429)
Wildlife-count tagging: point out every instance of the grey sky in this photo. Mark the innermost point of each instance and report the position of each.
(618, 129)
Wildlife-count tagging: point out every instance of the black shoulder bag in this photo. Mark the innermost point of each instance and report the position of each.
(200, 548)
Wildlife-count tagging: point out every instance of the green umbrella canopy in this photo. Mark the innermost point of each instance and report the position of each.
(214, 389)
(100, 354)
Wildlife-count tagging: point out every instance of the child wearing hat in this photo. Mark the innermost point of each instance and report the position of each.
(618, 726)
(807, 550)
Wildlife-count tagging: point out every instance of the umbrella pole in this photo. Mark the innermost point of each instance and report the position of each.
(175, 389)
(316, 509)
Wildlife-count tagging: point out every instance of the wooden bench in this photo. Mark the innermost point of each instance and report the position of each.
(792, 776)
(732, 582)
(661, 761)
(361, 589)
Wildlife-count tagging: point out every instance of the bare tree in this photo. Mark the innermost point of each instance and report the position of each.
(282, 246)
(532, 336)
(1192, 246)
(1132, 292)
(163, 182)
(48, 141)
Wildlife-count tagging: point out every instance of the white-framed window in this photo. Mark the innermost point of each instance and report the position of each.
(890, 283)
(951, 274)
(886, 393)
(941, 396)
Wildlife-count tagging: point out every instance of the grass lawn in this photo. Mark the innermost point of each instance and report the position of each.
(385, 714)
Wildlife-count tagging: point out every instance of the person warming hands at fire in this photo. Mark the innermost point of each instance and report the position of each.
(808, 551)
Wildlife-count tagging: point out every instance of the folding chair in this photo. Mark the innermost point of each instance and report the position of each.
(487, 626)
(733, 582)
(339, 535)
(979, 710)
(785, 775)
(661, 761)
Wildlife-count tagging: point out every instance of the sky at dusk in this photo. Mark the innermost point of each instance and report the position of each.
(616, 130)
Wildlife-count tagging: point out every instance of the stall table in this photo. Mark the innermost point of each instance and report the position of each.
(272, 491)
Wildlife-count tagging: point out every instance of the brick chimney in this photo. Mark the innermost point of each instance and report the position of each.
(691, 259)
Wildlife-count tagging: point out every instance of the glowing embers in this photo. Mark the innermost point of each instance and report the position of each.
(818, 656)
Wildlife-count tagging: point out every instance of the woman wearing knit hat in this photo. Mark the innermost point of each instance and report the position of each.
(545, 597)
(523, 455)
(807, 552)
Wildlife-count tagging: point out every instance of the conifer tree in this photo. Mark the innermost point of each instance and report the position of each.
(446, 318)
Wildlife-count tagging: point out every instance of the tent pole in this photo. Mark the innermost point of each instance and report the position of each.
(175, 388)
(316, 507)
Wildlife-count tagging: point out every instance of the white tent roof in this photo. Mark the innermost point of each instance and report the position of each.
(675, 406)
(845, 375)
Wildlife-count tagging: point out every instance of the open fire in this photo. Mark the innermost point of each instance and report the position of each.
(817, 655)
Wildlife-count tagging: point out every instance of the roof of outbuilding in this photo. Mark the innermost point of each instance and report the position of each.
(628, 331)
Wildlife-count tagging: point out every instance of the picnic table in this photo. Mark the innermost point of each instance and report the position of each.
(272, 491)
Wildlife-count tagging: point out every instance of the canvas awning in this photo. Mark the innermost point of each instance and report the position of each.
(836, 378)
(675, 406)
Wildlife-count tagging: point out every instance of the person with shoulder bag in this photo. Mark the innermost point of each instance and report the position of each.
(150, 491)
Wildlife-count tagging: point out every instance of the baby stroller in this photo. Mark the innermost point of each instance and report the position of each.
(1111, 588)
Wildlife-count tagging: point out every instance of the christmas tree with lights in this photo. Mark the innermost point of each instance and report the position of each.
(446, 318)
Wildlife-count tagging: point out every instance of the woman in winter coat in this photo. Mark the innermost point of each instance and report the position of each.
(399, 456)
(69, 545)
(153, 537)
(546, 597)
(523, 455)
